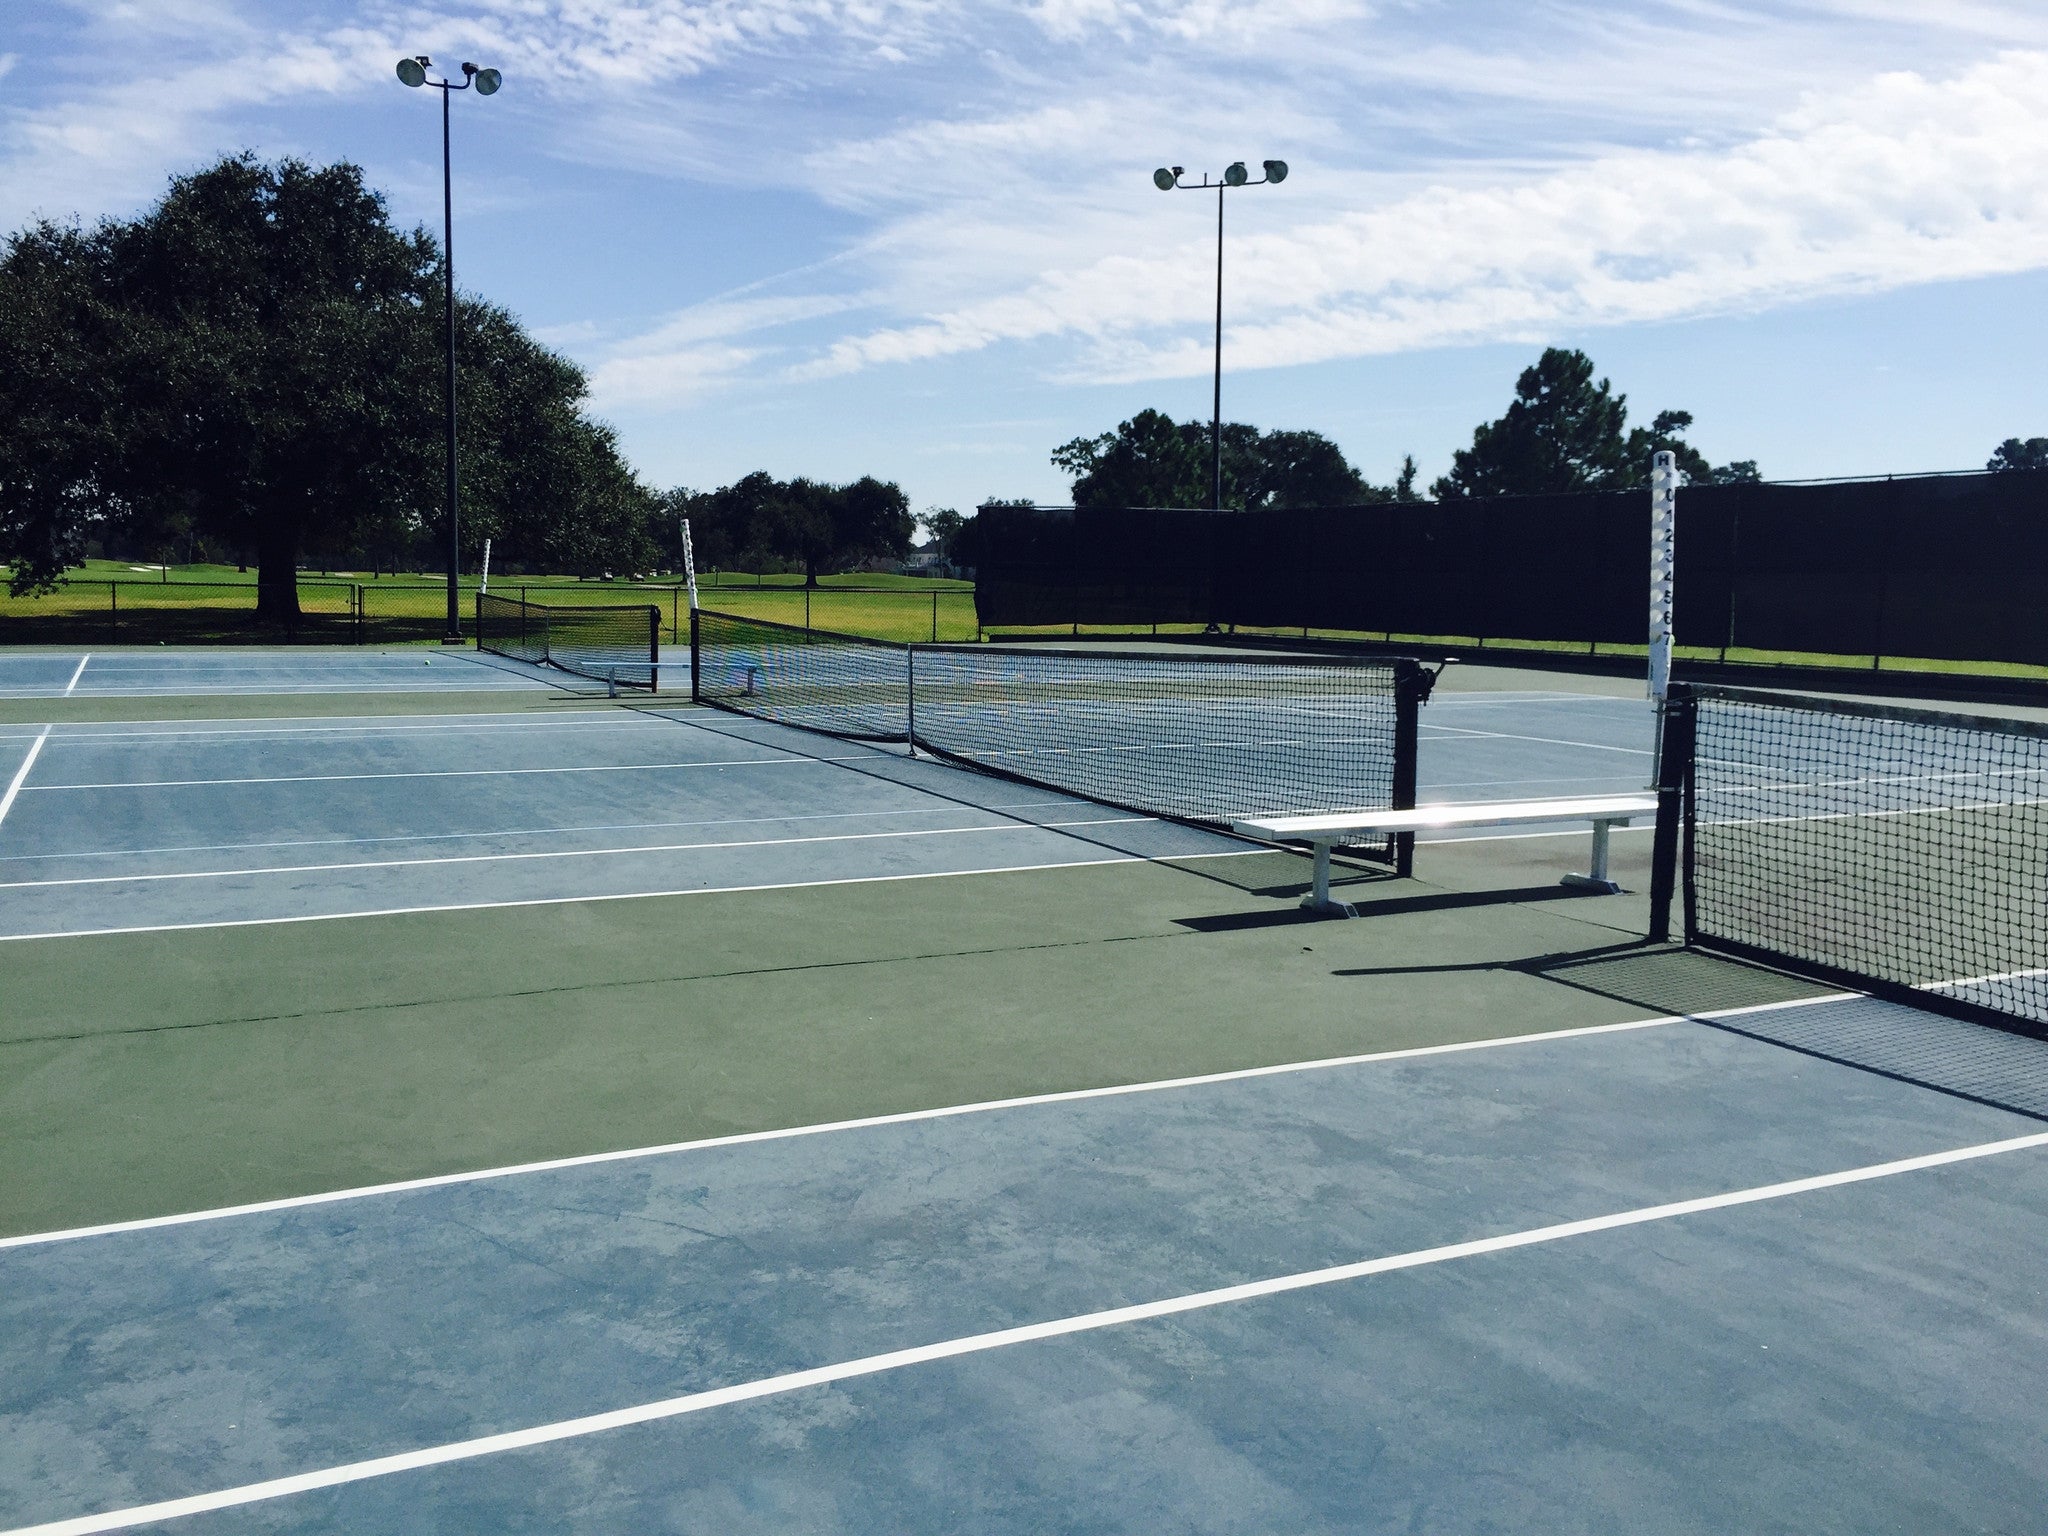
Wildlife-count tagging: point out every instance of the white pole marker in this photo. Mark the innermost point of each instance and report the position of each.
(1663, 568)
(485, 584)
(690, 565)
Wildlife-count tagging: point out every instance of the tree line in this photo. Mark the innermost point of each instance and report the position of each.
(254, 366)
(1564, 431)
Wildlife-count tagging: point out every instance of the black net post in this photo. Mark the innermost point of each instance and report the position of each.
(1674, 767)
(653, 648)
(1410, 686)
(696, 665)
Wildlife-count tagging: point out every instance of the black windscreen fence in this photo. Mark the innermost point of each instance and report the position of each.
(1941, 567)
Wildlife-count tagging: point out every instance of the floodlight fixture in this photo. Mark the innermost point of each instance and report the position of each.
(485, 82)
(1234, 176)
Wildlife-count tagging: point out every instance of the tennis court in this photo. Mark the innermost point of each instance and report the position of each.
(553, 1112)
(196, 671)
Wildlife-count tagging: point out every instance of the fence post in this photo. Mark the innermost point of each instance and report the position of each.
(807, 608)
(935, 615)
(114, 599)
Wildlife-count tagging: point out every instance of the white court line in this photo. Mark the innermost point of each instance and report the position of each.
(21, 773)
(458, 773)
(1547, 741)
(457, 837)
(255, 690)
(565, 853)
(78, 674)
(567, 901)
(906, 1117)
(1002, 1338)
(1508, 699)
(231, 730)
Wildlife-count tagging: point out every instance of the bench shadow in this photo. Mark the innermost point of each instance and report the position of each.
(1435, 901)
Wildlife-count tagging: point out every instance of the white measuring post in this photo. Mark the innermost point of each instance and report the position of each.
(1663, 560)
(1663, 571)
(689, 565)
(485, 585)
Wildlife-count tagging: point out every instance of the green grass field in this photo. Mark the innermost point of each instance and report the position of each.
(116, 602)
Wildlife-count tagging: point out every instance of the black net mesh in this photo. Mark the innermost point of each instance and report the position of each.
(841, 685)
(1195, 737)
(612, 643)
(1902, 851)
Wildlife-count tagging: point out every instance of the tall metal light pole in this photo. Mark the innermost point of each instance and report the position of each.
(413, 72)
(1168, 179)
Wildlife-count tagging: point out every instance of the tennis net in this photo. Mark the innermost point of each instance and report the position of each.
(613, 643)
(1901, 852)
(1191, 736)
(841, 685)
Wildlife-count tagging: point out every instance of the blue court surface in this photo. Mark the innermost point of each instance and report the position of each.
(139, 825)
(1768, 1267)
(1653, 1278)
(146, 673)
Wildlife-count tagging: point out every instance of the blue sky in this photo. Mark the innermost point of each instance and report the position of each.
(919, 239)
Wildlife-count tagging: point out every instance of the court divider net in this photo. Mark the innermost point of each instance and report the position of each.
(612, 643)
(1192, 735)
(1901, 852)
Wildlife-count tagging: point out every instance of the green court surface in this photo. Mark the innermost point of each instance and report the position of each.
(153, 1073)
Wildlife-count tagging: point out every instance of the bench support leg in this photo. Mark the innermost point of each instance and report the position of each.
(1595, 879)
(1318, 898)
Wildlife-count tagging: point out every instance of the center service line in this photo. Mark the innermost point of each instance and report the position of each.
(981, 1343)
(21, 774)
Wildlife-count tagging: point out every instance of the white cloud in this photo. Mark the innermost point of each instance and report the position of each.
(672, 376)
(1466, 170)
(1907, 180)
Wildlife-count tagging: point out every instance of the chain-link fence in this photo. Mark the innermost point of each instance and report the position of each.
(395, 612)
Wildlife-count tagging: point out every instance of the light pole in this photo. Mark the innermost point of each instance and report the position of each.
(1168, 179)
(413, 72)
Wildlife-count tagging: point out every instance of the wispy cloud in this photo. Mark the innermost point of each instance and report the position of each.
(1906, 180)
(1470, 171)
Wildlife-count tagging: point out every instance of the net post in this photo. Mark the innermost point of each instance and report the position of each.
(690, 565)
(1663, 567)
(479, 605)
(654, 648)
(1408, 692)
(1674, 773)
(696, 669)
(910, 697)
